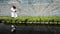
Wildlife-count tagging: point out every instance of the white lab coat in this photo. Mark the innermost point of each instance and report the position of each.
(13, 13)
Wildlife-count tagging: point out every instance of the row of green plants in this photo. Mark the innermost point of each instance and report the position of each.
(30, 19)
(25, 19)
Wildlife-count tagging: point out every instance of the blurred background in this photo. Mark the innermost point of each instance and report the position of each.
(31, 7)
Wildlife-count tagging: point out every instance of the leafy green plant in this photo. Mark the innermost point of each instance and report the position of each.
(30, 19)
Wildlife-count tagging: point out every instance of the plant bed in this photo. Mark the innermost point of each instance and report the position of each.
(31, 20)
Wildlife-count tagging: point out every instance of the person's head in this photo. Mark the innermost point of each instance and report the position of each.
(14, 7)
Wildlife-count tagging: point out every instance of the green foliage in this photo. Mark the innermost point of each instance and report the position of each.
(30, 19)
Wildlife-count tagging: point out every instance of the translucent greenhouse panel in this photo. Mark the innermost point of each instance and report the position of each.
(31, 7)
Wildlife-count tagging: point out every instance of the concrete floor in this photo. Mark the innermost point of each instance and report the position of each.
(4, 29)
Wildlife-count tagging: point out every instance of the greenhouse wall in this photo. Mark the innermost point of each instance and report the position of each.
(31, 7)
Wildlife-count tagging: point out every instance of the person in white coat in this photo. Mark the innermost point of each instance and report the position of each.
(13, 12)
(14, 15)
